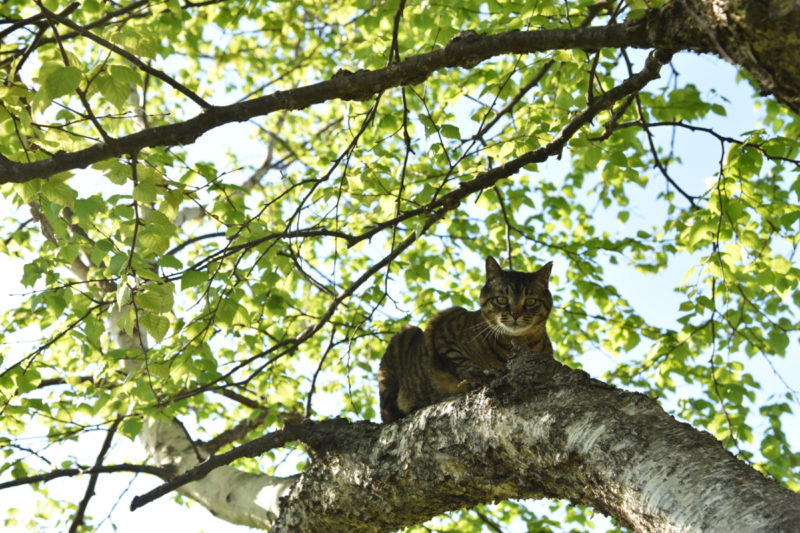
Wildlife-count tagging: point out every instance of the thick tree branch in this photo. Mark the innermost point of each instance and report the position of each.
(308, 431)
(464, 51)
(762, 36)
(543, 430)
(236, 496)
(679, 25)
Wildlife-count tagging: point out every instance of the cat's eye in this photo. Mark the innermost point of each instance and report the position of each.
(501, 300)
(530, 302)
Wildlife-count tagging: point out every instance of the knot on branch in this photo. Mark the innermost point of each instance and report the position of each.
(462, 45)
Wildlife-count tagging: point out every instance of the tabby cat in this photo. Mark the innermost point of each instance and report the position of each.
(459, 346)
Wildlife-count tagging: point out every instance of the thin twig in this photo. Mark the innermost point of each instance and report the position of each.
(507, 226)
(331, 344)
(72, 472)
(78, 520)
(128, 56)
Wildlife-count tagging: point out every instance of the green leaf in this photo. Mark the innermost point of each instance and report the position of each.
(114, 90)
(28, 380)
(138, 41)
(130, 427)
(156, 298)
(31, 272)
(58, 80)
(450, 131)
(170, 261)
(156, 325)
(618, 159)
(100, 250)
(118, 262)
(232, 313)
(778, 341)
(29, 190)
(59, 192)
(116, 171)
(123, 294)
(125, 74)
(193, 278)
(145, 192)
(355, 182)
(18, 471)
(277, 302)
(155, 238)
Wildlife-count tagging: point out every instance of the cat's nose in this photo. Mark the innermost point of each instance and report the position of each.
(516, 313)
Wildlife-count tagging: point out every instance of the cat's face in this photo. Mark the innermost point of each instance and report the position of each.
(515, 303)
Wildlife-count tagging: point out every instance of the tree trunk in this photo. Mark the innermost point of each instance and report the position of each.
(761, 36)
(543, 431)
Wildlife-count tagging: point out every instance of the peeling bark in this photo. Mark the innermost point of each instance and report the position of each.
(544, 431)
(232, 495)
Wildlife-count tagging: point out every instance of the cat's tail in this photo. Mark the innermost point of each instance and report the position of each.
(392, 366)
(388, 387)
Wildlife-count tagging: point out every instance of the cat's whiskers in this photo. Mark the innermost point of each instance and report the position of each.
(481, 330)
(486, 330)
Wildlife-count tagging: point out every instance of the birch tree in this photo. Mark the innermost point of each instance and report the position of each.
(223, 305)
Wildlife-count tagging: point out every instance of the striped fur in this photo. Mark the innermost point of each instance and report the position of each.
(459, 347)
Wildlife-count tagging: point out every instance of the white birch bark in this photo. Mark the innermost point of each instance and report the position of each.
(232, 495)
(546, 432)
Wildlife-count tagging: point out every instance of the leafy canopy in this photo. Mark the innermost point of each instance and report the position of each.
(270, 264)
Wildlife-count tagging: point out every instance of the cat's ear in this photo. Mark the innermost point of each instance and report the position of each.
(544, 272)
(493, 270)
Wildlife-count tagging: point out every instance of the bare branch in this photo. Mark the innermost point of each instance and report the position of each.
(308, 431)
(72, 472)
(78, 520)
